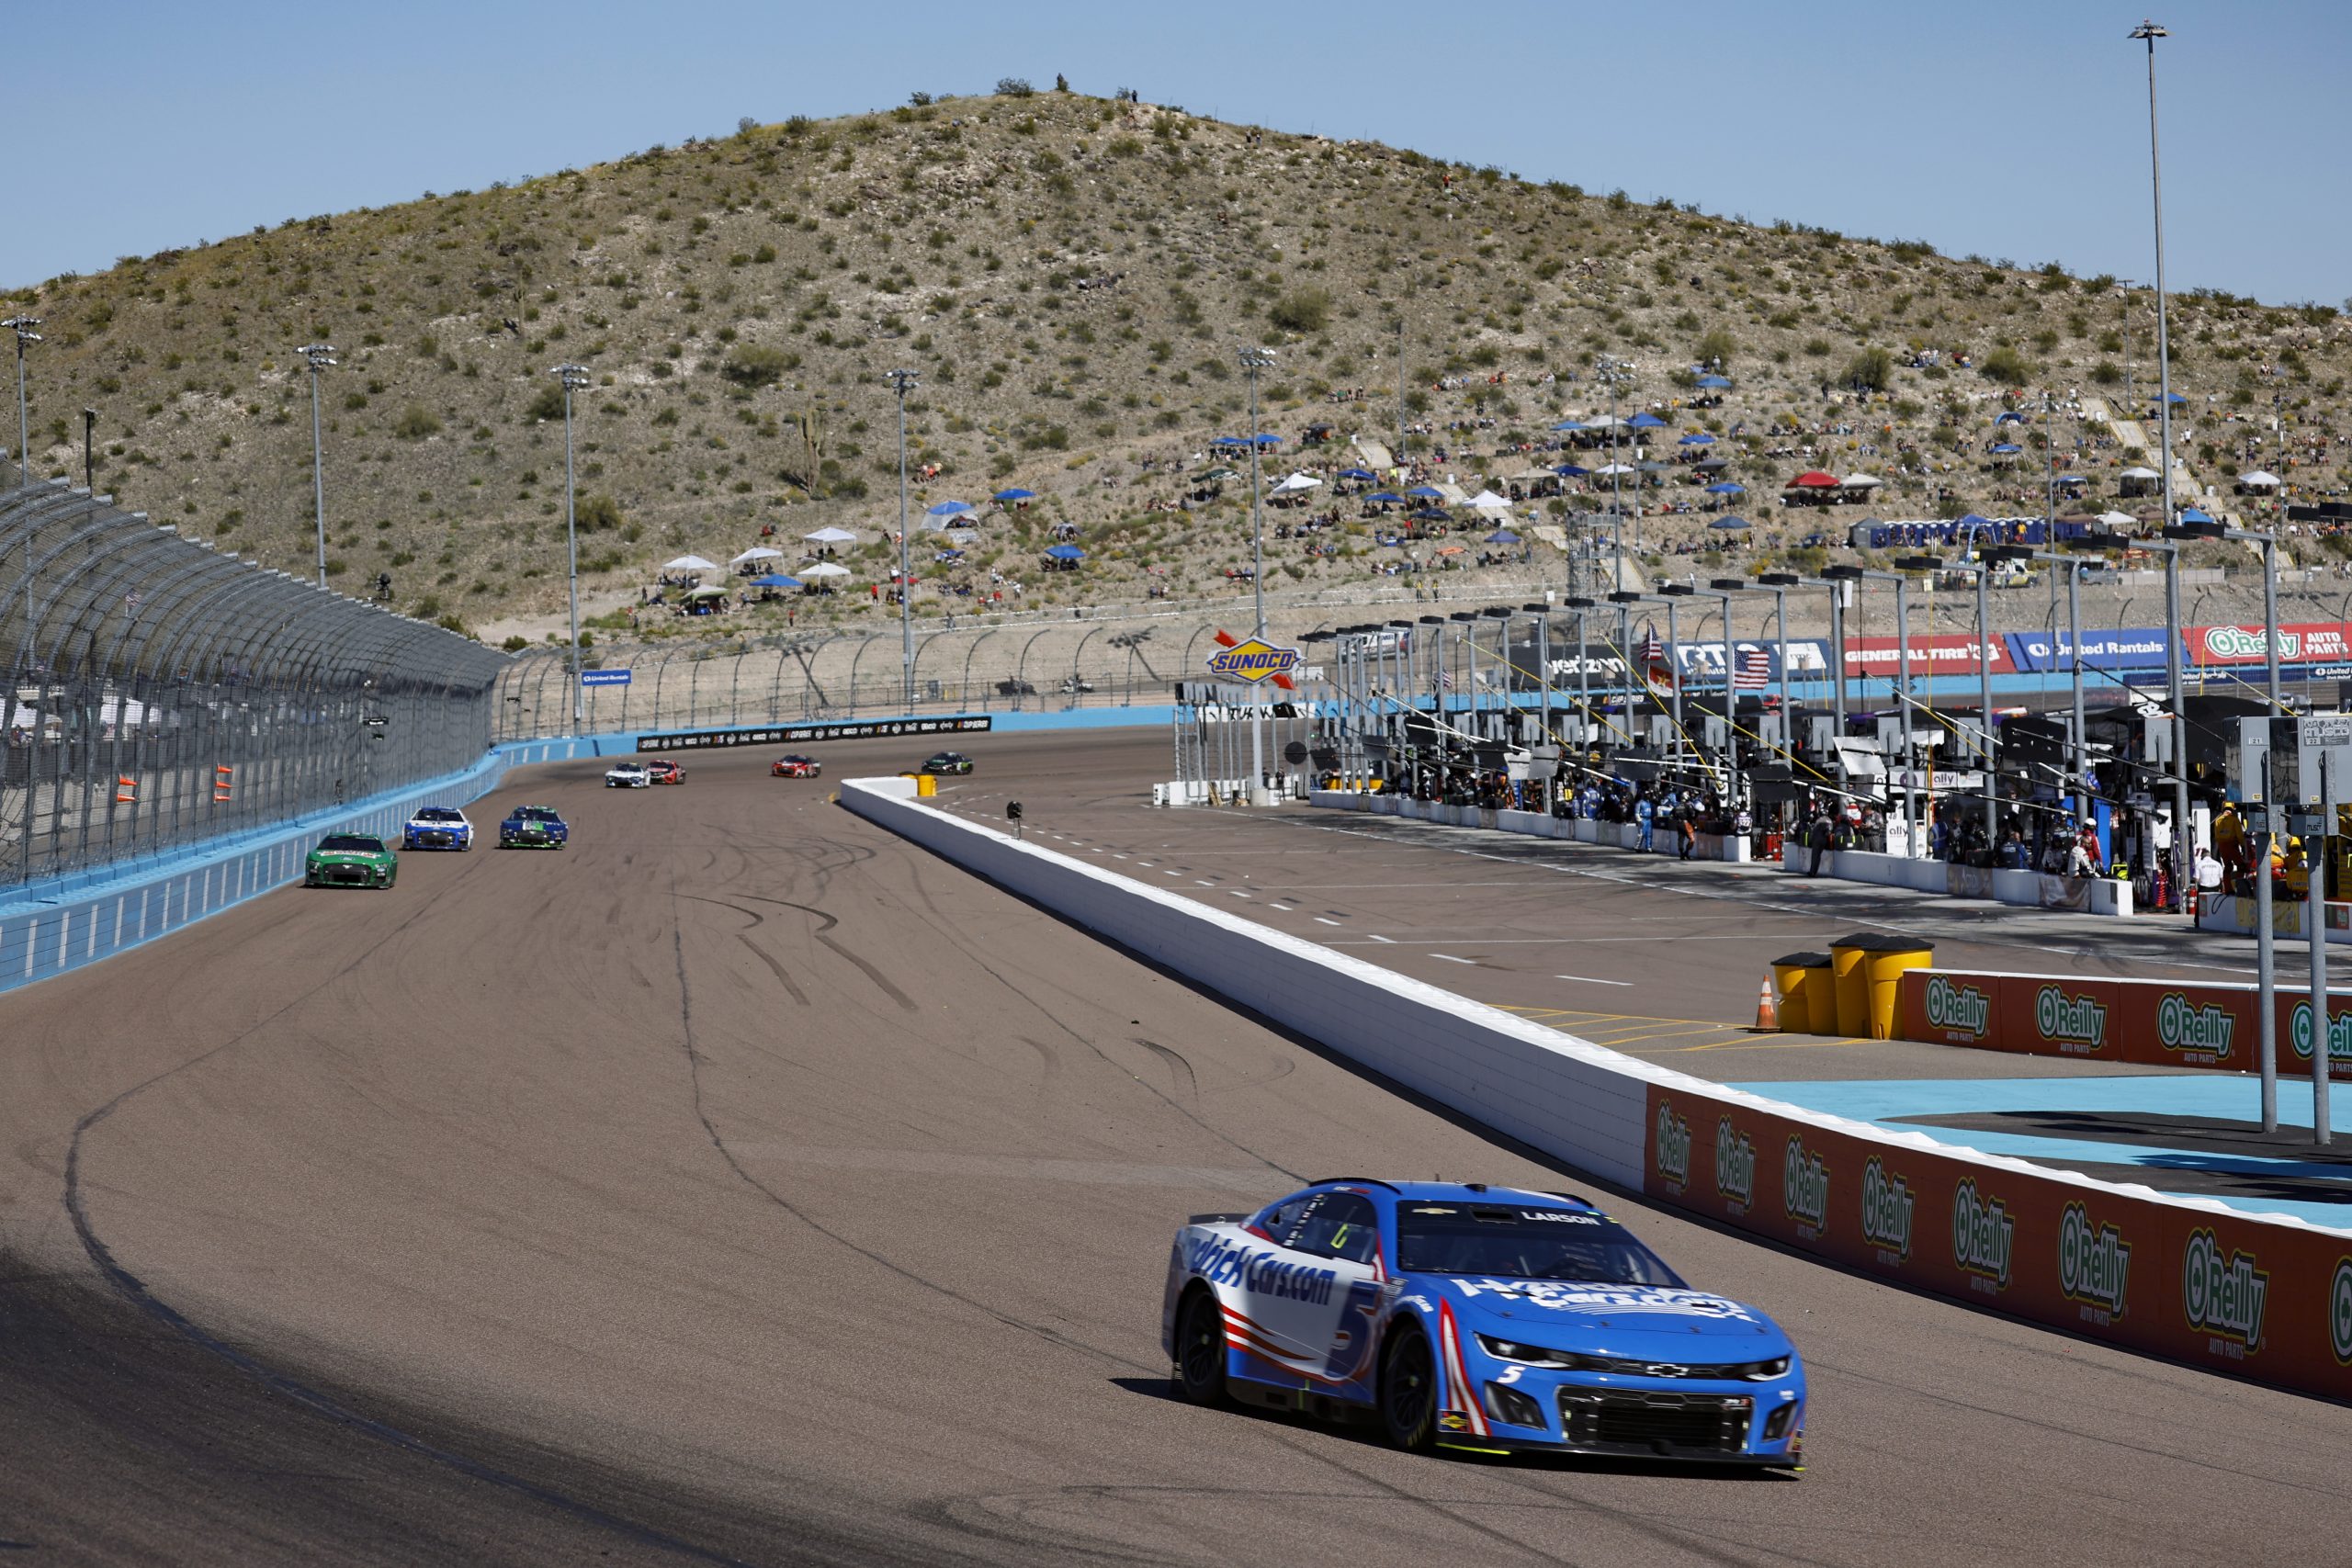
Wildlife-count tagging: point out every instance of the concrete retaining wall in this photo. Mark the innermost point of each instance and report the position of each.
(1997, 1232)
(2028, 889)
(1535, 824)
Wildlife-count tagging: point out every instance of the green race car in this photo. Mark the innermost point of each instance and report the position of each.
(350, 860)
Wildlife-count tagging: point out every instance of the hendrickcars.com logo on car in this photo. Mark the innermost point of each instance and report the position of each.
(2094, 1266)
(2223, 1297)
(1735, 1166)
(1982, 1236)
(1804, 1188)
(1958, 1008)
(1673, 1147)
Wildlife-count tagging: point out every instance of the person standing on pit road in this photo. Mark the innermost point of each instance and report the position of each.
(1687, 827)
(1645, 817)
(1818, 836)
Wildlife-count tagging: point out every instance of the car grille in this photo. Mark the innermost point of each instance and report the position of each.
(348, 876)
(439, 838)
(1655, 1423)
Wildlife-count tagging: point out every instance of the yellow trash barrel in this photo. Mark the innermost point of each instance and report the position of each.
(1869, 971)
(925, 785)
(1802, 983)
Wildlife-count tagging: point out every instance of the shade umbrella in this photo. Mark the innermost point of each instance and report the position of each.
(1358, 474)
(689, 563)
(1015, 495)
(1727, 488)
(1645, 421)
(1697, 439)
(1502, 536)
(776, 580)
(1728, 523)
(757, 552)
(824, 569)
(1065, 552)
(1714, 383)
(830, 536)
(1813, 479)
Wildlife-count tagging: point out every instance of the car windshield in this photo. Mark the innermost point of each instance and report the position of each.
(536, 813)
(352, 843)
(1519, 1242)
(437, 814)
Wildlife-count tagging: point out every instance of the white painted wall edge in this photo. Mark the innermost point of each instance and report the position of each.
(1568, 1098)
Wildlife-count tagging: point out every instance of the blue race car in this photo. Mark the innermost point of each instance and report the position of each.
(1487, 1319)
(533, 827)
(438, 828)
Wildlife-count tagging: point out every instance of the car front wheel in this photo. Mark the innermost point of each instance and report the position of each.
(1409, 1390)
(1199, 1347)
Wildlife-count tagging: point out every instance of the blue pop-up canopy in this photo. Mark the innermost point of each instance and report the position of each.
(1429, 490)
(1728, 523)
(1645, 421)
(1502, 536)
(1727, 488)
(2006, 448)
(1697, 439)
(1358, 474)
(1015, 495)
(1065, 552)
(1567, 425)
(1570, 471)
(948, 509)
(1714, 383)
(776, 580)
(1384, 496)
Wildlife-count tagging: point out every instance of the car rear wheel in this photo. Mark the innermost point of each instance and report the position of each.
(1409, 1390)
(1199, 1347)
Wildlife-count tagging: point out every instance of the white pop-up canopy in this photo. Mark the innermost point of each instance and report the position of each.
(830, 536)
(689, 563)
(757, 552)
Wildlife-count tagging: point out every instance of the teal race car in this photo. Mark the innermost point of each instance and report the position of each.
(350, 860)
(534, 827)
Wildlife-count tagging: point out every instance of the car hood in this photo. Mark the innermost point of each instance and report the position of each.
(1627, 1320)
(426, 825)
(359, 857)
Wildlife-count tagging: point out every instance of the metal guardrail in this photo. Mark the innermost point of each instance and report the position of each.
(160, 691)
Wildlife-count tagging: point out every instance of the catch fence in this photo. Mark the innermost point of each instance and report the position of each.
(162, 693)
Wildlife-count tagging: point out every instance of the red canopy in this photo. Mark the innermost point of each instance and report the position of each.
(1815, 479)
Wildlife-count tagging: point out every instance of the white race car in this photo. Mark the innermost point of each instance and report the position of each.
(627, 775)
(438, 828)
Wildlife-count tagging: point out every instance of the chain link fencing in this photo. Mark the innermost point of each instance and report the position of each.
(163, 692)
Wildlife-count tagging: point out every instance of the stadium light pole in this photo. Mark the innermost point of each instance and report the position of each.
(2174, 699)
(1982, 572)
(902, 382)
(23, 327)
(573, 377)
(1614, 373)
(1254, 359)
(2149, 32)
(321, 357)
(1901, 581)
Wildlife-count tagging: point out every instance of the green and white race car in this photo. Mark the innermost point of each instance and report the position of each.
(350, 860)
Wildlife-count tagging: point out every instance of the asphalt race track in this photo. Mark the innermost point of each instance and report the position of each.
(742, 1184)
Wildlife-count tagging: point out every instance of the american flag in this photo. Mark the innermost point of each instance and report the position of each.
(1754, 672)
(1445, 679)
(1652, 650)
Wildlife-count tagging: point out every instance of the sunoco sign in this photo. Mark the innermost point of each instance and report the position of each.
(1252, 661)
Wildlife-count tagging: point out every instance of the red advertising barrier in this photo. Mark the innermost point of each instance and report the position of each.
(1883, 656)
(2268, 1302)
(2168, 1024)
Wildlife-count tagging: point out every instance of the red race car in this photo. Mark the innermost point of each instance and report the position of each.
(797, 767)
(662, 773)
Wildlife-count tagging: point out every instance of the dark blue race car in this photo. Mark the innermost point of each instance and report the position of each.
(533, 827)
(1465, 1316)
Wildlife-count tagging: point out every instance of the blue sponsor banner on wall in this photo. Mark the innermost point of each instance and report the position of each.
(2128, 648)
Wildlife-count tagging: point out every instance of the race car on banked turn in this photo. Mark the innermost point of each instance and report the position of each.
(947, 762)
(797, 766)
(1465, 1316)
(533, 827)
(350, 860)
(663, 771)
(627, 775)
(438, 828)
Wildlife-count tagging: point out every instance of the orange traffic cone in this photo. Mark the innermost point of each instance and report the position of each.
(1768, 1009)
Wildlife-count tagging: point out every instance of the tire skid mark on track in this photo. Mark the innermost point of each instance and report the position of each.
(695, 1061)
(1176, 1063)
(134, 1289)
(823, 933)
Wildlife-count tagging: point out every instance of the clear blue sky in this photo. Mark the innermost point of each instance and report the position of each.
(2013, 131)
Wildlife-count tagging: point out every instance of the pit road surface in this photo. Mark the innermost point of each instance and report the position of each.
(744, 1184)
